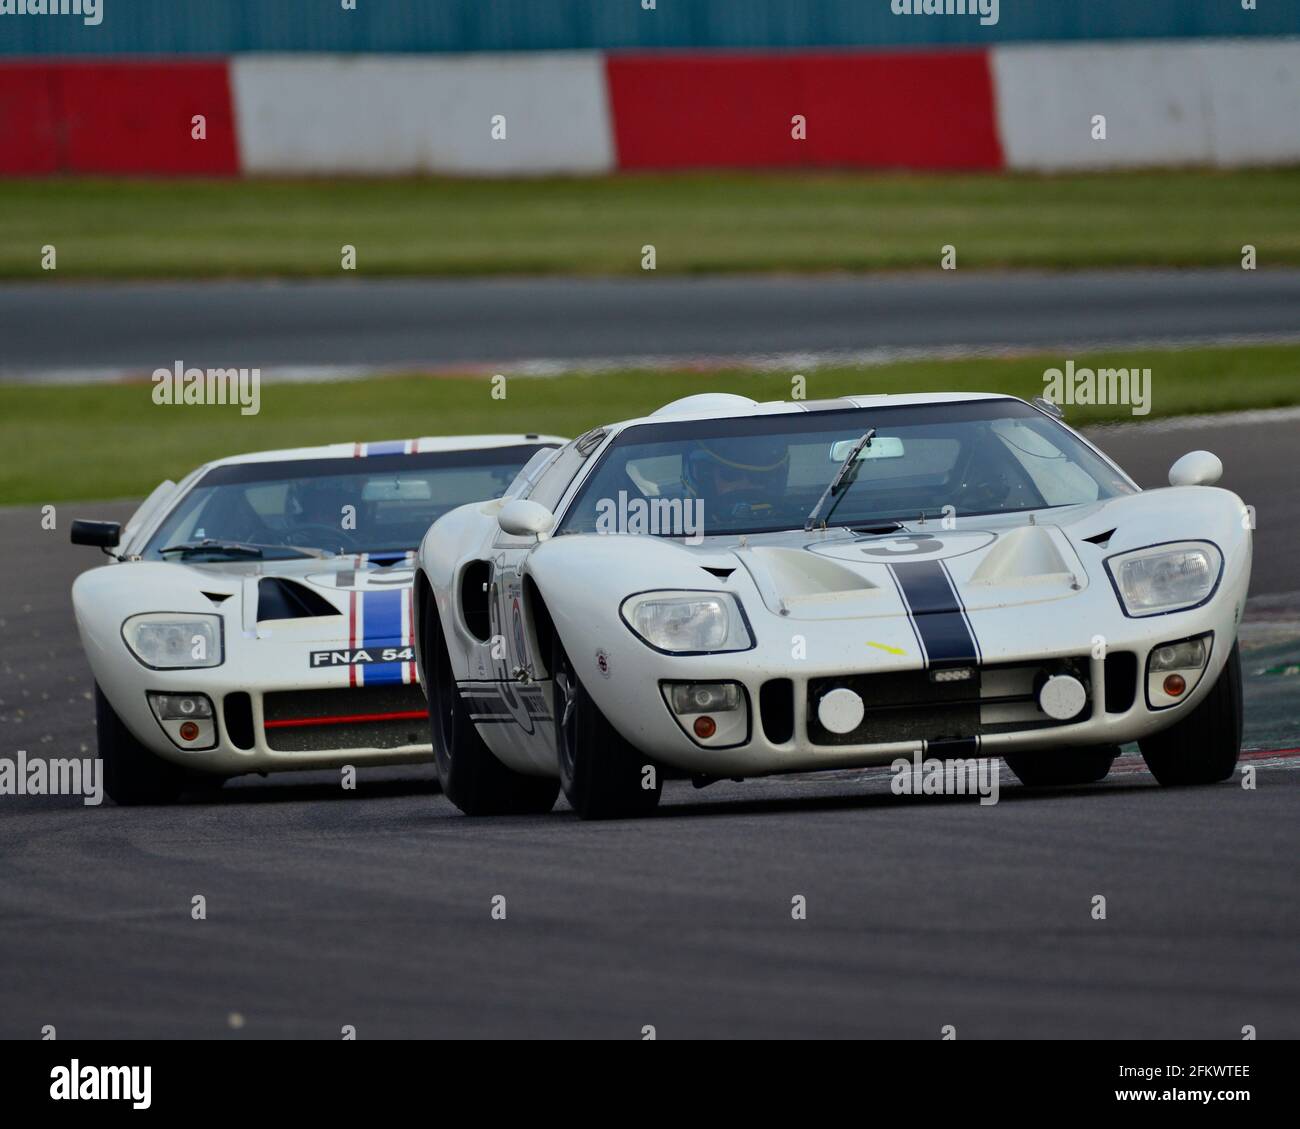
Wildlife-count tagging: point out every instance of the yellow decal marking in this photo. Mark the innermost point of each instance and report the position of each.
(885, 647)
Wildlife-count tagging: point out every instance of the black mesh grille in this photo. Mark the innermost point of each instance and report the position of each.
(360, 717)
(912, 706)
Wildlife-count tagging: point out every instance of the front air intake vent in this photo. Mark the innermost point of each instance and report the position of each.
(286, 599)
(1121, 681)
(238, 712)
(776, 709)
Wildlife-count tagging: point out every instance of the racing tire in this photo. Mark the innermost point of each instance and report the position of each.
(602, 774)
(1203, 747)
(133, 775)
(1050, 768)
(471, 776)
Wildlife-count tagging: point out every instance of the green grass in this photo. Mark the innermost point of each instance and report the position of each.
(697, 223)
(85, 442)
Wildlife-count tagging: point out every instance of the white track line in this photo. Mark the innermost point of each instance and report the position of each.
(792, 362)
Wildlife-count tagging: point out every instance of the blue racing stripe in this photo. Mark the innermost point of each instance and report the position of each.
(382, 623)
(936, 613)
(392, 447)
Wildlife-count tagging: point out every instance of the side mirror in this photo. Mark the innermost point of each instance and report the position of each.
(1196, 468)
(105, 534)
(522, 518)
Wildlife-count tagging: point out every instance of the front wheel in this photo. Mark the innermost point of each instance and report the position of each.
(132, 774)
(1056, 767)
(472, 778)
(1203, 747)
(603, 776)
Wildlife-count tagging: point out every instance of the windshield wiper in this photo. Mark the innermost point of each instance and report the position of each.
(248, 549)
(844, 478)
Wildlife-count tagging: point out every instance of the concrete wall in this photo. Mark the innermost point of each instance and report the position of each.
(1189, 103)
(1213, 103)
(371, 114)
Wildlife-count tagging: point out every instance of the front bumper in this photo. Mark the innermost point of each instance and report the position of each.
(900, 722)
(279, 729)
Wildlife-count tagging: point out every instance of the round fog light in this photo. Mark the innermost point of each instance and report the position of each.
(1062, 697)
(705, 727)
(841, 711)
(1175, 684)
(189, 731)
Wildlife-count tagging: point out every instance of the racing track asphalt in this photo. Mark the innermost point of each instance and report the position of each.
(327, 908)
(52, 330)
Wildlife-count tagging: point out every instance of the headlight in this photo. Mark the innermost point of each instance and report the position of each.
(174, 640)
(688, 622)
(1166, 578)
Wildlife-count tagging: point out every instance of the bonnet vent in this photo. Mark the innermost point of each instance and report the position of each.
(1102, 539)
(284, 599)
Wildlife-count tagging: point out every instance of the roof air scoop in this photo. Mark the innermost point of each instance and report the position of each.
(704, 402)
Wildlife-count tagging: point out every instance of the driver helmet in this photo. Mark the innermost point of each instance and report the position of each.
(320, 501)
(717, 466)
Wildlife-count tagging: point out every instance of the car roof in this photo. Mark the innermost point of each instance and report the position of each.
(424, 445)
(725, 405)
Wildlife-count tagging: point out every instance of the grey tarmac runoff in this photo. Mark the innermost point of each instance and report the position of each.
(80, 331)
(373, 907)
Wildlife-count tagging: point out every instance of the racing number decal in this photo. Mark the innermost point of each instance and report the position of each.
(907, 546)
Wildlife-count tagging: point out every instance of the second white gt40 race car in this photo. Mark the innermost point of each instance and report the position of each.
(256, 616)
(729, 589)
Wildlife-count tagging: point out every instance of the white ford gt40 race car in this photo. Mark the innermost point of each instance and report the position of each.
(256, 617)
(729, 589)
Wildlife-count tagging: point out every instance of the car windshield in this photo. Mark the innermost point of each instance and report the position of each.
(768, 472)
(283, 509)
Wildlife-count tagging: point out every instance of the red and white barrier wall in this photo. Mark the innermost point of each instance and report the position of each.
(1230, 102)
